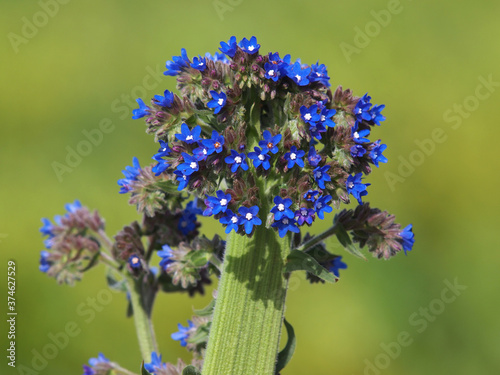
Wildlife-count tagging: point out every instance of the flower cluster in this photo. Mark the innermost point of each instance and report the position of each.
(257, 134)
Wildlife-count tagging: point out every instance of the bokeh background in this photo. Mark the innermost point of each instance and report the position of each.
(88, 60)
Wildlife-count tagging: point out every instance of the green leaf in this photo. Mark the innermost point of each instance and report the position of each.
(300, 261)
(286, 354)
(190, 370)
(206, 311)
(143, 370)
(346, 241)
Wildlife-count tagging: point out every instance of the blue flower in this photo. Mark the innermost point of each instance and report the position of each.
(166, 100)
(199, 63)
(164, 150)
(356, 187)
(362, 109)
(335, 265)
(282, 208)
(231, 220)
(162, 165)
(166, 255)
(190, 164)
(313, 158)
(297, 74)
(321, 206)
(295, 157)
(359, 135)
(376, 116)
(73, 207)
(100, 359)
(134, 261)
(217, 204)
(249, 218)
(131, 174)
(285, 225)
(44, 262)
(310, 196)
(319, 74)
(310, 115)
(201, 152)
(214, 144)
(217, 57)
(376, 153)
(260, 158)
(249, 46)
(155, 364)
(192, 208)
(326, 117)
(189, 136)
(316, 130)
(269, 144)
(142, 111)
(272, 71)
(179, 62)
(187, 223)
(229, 48)
(88, 370)
(237, 160)
(183, 334)
(321, 176)
(304, 215)
(218, 101)
(357, 151)
(47, 228)
(408, 237)
(182, 178)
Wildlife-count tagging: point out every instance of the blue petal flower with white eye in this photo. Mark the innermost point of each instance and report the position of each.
(142, 111)
(376, 116)
(356, 187)
(272, 71)
(131, 174)
(313, 157)
(44, 262)
(269, 144)
(376, 153)
(231, 220)
(217, 204)
(260, 158)
(319, 74)
(304, 215)
(407, 237)
(326, 117)
(237, 160)
(357, 151)
(282, 208)
(218, 101)
(248, 218)
(164, 150)
(182, 178)
(316, 130)
(178, 64)
(134, 261)
(229, 48)
(201, 152)
(359, 135)
(166, 255)
(335, 265)
(155, 365)
(199, 63)
(285, 225)
(190, 164)
(183, 333)
(164, 101)
(310, 196)
(249, 46)
(295, 157)
(321, 176)
(321, 206)
(362, 109)
(214, 144)
(310, 115)
(189, 136)
(297, 74)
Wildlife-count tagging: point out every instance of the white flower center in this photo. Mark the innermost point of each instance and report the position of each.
(164, 150)
(298, 78)
(223, 202)
(319, 205)
(356, 135)
(193, 165)
(237, 160)
(318, 174)
(271, 72)
(285, 221)
(262, 157)
(184, 224)
(307, 117)
(234, 220)
(281, 207)
(189, 138)
(204, 151)
(251, 48)
(293, 156)
(248, 216)
(303, 212)
(351, 185)
(220, 101)
(323, 118)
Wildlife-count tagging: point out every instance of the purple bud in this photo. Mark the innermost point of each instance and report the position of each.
(259, 59)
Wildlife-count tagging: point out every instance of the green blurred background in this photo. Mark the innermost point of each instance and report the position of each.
(87, 61)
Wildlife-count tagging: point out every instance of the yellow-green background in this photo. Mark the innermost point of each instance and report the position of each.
(427, 59)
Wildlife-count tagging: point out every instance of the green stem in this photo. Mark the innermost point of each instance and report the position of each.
(317, 239)
(142, 320)
(246, 326)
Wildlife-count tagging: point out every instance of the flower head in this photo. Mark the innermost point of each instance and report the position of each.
(218, 101)
(164, 101)
(285, 225)
(131, 174)
(236, 160)
(189, 136)
(376, 153)
(199, 63)
(44, 262)
(249, 46)
(282, 208)
(155, 365)
(295, 157)
(231, 220)
(260, 158)
(335, 265)
(298, 74)
(142, 111)
(166, 256)
(408, 237)
(321, 176)
(177, 64)
(230, 47)
(248, 218)
(217, 204)
(183, 334)
(356, 187)
(321, 206)
(269, 144)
